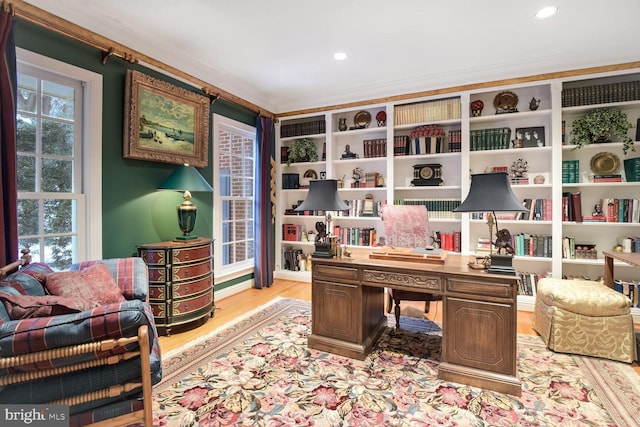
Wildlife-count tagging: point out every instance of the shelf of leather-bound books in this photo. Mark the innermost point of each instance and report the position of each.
(307, 127)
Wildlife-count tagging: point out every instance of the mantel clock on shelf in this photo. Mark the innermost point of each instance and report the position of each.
(428, 174)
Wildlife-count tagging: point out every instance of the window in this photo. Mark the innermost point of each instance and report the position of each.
(55, 136)
(234, 159)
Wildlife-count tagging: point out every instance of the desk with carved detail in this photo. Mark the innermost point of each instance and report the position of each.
(479, 314)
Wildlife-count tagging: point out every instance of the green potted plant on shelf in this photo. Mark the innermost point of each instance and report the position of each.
(302, 150)
(601, 125)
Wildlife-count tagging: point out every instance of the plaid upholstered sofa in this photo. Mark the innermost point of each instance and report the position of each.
(100, 359)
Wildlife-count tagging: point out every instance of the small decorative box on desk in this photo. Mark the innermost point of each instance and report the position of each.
(180, 282)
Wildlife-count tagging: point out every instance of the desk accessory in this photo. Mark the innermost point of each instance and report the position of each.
(323, 196)
(491, 192)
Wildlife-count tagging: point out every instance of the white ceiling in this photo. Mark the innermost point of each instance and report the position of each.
(279, 54)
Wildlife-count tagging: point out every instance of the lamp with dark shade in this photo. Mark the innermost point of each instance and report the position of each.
(323, 196)
(491, 192)
(186, 178)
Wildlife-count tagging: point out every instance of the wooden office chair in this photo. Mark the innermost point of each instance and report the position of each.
(406, 226)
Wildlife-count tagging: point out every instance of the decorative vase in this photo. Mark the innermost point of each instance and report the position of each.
(342, 124)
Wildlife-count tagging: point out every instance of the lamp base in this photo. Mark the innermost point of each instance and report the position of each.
(501, 264)
(185, 238)
(323, 250)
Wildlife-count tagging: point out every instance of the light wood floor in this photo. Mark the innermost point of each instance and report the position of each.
(229, 308)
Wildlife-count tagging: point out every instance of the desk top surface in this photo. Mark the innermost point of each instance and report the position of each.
(454, 264)
(631, 258)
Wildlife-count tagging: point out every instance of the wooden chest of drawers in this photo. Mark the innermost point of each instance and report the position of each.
(180, 282)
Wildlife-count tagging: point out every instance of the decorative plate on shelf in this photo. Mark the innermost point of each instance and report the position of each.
(505, 101)
(605, 163)
(362, 119)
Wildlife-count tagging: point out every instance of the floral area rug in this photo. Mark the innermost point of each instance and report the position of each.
(258, 371)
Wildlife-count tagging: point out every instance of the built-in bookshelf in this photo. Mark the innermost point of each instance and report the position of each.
(527, 124)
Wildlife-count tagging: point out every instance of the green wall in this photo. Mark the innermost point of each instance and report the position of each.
(133, 212)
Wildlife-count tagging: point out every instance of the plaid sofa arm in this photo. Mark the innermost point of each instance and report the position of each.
(130, 273)
(111, 321)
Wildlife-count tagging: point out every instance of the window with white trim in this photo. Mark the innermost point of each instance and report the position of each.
(53, 144)
(234, 177)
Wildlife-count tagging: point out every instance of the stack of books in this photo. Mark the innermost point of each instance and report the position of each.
(570, 171)
(632, 169)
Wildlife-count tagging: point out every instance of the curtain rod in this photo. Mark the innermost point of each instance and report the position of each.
(111, 48)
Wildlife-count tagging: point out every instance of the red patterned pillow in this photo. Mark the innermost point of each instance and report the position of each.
(94, 284)
(26, 306)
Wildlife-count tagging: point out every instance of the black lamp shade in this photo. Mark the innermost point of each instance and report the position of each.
(323, 196)
(490, 192)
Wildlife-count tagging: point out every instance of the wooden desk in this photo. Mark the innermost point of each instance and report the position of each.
(631, 258)
(479, 314)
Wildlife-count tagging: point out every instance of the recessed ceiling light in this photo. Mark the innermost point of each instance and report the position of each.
(546, 12)
(339, 56)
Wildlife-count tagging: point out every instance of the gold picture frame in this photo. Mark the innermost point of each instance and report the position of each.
(164, 123)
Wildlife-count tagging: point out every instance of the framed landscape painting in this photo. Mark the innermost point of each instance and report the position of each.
(164, 123)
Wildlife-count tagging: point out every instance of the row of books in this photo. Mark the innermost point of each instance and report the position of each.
(293, 233)
(621, 210)
(374, 147)
(440, 208)
(490, 139)
(449, 241)
(601, 94)
(404, 145)
(455, 141)
(572, 206)
(535, 245)
(573, 250)
(306, 128)
(428, 111)
(538, 210)
(528, 283)
(290, 258)
(630, 289)
(356, 208)
(570, 171)
(524, 244)
(356, 236)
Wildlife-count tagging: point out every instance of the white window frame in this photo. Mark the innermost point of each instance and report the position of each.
(89, 219)
(224, 273)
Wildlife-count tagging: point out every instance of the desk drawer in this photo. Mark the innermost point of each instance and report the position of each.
(333, 273)
(184, 255)
(405, 281)
(485, 289)
(183, 289)
(189, 271)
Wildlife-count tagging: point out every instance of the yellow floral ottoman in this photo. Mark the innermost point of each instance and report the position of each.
(584, 317)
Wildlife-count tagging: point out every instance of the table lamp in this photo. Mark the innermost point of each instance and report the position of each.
(186, 178)
(323, 196)
(491, 192)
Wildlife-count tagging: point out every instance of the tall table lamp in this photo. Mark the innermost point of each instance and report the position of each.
(323, 196)
(491, 192)
(186, 178)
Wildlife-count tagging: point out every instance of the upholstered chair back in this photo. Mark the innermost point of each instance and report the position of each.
(406, 226)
